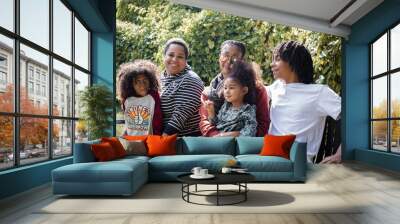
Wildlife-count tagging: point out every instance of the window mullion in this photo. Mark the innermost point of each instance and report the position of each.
(17, 88)
(371, 89)
(50, 81)
(73, 81)
(389, 106)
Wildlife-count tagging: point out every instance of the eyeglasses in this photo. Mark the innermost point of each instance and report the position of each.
(232, 59)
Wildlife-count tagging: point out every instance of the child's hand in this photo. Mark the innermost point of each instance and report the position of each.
(210, 108)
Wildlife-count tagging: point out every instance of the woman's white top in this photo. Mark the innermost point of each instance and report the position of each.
(301, 109)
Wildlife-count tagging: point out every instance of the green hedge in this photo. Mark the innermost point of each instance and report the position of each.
(143, 27)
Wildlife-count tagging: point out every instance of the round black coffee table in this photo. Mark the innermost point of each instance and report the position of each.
(238, 179)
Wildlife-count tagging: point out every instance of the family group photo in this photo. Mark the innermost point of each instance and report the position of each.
(199, 111)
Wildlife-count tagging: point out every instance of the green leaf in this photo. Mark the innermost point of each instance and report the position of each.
(210, 44)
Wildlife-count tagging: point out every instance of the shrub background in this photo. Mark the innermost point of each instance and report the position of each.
(143, 26)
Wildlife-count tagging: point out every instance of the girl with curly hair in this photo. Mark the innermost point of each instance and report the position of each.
(140, 100)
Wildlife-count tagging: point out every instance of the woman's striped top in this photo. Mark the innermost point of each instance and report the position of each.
(180, 102)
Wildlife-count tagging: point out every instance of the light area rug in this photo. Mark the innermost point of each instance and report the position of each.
(166, 198)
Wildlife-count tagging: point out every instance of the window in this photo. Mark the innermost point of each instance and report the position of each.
(38, 89)
(62, 29)
(37, 74)
(3, 71)
(43, 90)
(41, 82)
(3, 61)
(385, 94)
(34, 21)
(30, 87)
(3, 78)
(81, 45)
(62, 129)
(30, 72)
(62, 74)
(81, 81)
(7, 14)
(7, 143)
(55, 102)
(6, 73)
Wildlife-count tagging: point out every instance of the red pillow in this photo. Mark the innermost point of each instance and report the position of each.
(116, 145)
(277, 145)
(135, 137)
(103, 151)
(161, 145)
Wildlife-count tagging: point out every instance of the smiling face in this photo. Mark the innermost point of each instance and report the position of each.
(141, 85)
(234, 92)
(282, 70)
(229, 53)
(175, 59)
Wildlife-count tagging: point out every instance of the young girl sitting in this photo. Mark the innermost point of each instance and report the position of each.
(238, 113)
(140, 100)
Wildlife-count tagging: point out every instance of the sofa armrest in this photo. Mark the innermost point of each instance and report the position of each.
(298, 155)
(83, 152)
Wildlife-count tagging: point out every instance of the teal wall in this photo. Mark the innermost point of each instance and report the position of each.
(103, 54)
(356, 99)
(380, 159)
(99, 16)
(24, 178)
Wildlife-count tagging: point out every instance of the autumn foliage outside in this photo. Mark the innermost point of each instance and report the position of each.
(379, 128)
(33, 131)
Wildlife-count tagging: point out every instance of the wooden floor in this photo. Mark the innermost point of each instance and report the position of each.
(377, 188)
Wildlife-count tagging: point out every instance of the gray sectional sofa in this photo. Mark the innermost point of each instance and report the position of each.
(125, 176)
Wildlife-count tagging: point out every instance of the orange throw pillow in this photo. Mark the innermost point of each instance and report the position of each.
(277, 145)
(116, 145)
(135, 137)
(103, 152)
(161, 145)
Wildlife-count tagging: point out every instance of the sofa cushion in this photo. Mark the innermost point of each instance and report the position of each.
(249, 145)
(135, 137)
(159, 145)
(257, 163)
(207, 145)
(277, 145)
(185, 163)
(117, 146)
(103, 151)
(134, 147)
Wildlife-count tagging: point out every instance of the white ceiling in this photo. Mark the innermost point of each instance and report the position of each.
(316, 15)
